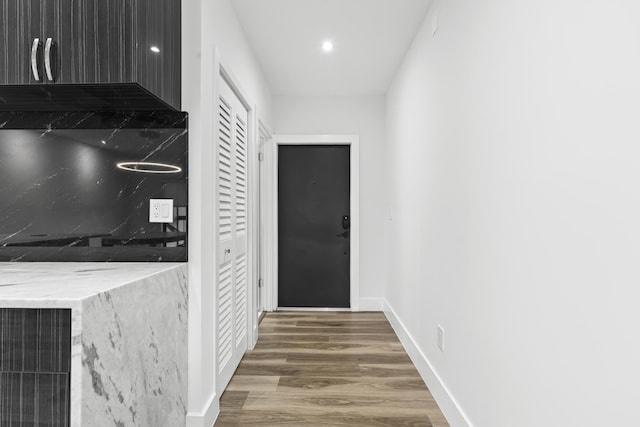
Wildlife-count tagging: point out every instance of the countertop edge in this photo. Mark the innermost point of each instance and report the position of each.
(81, 293)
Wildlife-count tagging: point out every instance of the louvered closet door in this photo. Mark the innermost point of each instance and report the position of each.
(231, 230)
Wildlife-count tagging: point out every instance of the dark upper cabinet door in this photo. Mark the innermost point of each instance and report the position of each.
(14, 31)
(94, 41)
(100, 44)
(158, 27)
(22, 22)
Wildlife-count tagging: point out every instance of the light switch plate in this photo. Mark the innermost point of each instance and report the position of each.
(161, 210)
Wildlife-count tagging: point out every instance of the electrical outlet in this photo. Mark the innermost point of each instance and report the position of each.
(441, 338)
(161, 210)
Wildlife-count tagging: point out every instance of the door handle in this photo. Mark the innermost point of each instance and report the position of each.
(344, 234)
(34, 59)
(47, 59)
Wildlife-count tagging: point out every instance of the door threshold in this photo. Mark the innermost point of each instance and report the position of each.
(312, 309)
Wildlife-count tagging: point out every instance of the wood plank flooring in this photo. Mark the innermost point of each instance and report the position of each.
(327, 369)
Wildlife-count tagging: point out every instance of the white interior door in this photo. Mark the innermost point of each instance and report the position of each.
(231, 233)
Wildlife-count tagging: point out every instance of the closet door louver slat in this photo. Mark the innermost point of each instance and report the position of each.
(231, 233)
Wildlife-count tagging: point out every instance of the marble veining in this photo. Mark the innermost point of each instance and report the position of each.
(128, 336)
(134, 354)
(63, 196)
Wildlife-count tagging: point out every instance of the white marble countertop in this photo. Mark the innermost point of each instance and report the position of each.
(63, 284)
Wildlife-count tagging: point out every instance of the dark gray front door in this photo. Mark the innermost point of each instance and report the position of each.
(313, 226)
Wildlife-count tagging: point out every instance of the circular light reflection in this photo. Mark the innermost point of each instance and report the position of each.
(149, 167)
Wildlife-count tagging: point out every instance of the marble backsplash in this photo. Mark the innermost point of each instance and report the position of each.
(76, 186)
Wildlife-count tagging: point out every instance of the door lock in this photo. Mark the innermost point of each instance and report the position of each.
(346, 222)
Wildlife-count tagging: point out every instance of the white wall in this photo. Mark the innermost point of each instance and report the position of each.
(362, 115)
(224, 31)
(207, 25)
(515, 160)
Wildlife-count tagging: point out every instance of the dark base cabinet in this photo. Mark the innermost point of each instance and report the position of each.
(34, 399)
(35, 366)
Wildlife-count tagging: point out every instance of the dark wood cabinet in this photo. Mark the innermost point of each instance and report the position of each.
(92, 41)
(35, 366)
(21, 22)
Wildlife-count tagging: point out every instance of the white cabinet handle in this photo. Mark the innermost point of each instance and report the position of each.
(34, 59)
(47, 59)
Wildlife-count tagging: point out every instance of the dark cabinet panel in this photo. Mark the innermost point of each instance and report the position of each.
(101, 45)
(37, 340)
(17, 27)
(94, 41)
(159, 71)
(35, 366)
(34, 399)
(23, 22)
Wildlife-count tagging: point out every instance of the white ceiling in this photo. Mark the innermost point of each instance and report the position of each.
(370, 37)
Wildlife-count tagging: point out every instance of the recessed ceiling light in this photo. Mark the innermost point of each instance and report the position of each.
(103, 141)
(155, 49)
(327, 46)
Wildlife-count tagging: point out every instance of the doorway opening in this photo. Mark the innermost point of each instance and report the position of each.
(306, 232)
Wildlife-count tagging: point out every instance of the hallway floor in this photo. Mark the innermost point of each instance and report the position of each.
(327, 368)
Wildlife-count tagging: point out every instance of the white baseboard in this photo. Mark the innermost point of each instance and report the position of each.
(447, 403)
(206, 417)
(371, 304)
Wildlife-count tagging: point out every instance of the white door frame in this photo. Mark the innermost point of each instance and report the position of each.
(270, 211)
(262, 248)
